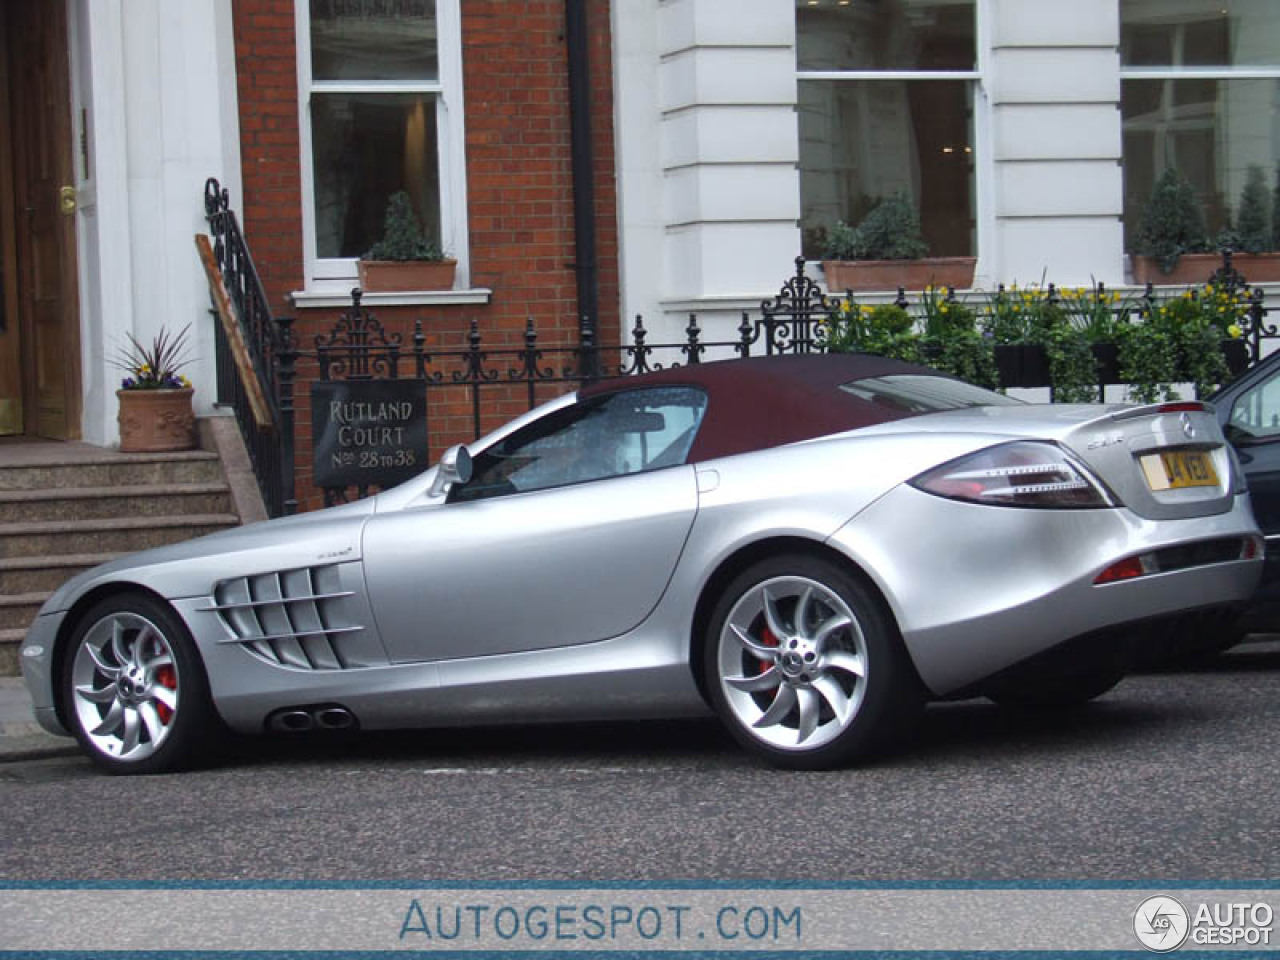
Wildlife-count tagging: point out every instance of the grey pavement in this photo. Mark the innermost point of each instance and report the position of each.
(21, 738)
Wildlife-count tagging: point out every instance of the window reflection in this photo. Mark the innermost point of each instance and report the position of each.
(864, 140)
(885, 35)
(1210, 130)
(373, 40)
(1199, 33)
(366, 147)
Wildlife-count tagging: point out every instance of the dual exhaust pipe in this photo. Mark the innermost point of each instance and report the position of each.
(326, 716)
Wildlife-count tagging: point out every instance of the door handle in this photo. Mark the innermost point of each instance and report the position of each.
(67, 200)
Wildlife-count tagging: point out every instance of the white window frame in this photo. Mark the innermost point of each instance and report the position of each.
(983, 168)
(337, 275)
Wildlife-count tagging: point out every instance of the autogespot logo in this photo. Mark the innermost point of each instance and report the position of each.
(1161, 924)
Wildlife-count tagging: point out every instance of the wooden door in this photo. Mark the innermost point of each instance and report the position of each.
(11, 420)
(43, 284)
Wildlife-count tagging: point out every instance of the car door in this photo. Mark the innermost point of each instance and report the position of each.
(1250, 416)
(567, 533)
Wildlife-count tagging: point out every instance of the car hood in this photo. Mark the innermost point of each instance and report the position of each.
(191, 568)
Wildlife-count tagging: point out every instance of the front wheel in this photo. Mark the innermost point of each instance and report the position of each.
(135, 691)
(804, 666)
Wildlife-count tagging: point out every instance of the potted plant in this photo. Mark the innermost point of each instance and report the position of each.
(1101, 318)
(1256, 259)
(1012, 325)
(1222, 312)
(887, 251)
(885, 329)
(952, 342)
(1170, 234)
(155, 399)
(405, 259)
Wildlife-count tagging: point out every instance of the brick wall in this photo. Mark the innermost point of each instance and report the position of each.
(267, 88)
(519, 183)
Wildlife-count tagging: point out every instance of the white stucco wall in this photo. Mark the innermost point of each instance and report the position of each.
(709, 197)
(154, 82)
(707, 147)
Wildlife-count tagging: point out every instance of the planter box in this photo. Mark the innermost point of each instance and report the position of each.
(406, 276)
(956, 272)
(1107, 358)
(1236, 353)
(1198, 268)
(1022, 365)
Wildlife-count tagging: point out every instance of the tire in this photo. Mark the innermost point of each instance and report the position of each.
(1059, 691)
(805, 666)
(134, 690)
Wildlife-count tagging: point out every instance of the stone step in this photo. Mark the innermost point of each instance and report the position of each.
(91, 503)
(110, 535)
(17, 610)
(109, 469)
(10, 643)
(20, 575)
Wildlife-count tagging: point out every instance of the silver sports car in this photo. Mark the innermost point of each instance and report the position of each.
(810, 546)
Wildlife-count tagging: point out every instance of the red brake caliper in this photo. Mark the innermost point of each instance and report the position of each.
(768, 639)
(168, 679)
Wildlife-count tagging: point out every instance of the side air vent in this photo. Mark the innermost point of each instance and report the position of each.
(291, 618)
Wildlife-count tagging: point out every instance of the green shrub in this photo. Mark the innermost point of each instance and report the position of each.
(402, 234)
(1253, 220)
(1171, 224)
(891, 231)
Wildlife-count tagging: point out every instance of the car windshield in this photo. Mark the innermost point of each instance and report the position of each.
(921, 393)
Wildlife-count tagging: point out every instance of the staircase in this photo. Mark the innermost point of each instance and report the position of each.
(65, 507)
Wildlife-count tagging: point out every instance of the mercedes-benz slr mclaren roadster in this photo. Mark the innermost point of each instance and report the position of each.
(810, 546)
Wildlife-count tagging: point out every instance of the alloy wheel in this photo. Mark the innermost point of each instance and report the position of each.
(793, 663)
(125, 687)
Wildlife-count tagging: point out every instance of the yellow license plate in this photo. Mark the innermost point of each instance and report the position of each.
(1178, 469)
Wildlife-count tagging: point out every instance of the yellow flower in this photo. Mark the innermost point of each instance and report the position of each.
(1235, 331)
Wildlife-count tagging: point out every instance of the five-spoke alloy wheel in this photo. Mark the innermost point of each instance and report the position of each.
(135, 693)
(804, 666)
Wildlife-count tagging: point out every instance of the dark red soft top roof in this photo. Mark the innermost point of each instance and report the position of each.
(763, 402)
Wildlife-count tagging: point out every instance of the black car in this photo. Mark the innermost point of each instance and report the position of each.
(1249, 414)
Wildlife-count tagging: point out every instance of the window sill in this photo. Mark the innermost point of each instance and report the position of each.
(339, 295)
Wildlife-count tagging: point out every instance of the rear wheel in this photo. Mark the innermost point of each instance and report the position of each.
(135, 691)
(804, 665)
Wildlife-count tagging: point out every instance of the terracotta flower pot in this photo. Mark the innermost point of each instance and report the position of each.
(1197, 268)
(956, 272)
(405, 276)
(155, 421)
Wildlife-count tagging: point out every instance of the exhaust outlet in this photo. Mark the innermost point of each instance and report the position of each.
(335, 718)
(292, 721)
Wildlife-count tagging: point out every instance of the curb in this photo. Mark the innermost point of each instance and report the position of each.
(17, 745)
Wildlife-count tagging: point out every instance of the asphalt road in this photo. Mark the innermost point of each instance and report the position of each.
(1172, 776)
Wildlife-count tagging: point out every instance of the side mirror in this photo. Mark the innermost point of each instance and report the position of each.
(454, 467)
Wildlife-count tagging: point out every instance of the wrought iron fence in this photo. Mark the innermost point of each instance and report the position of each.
(358, 348)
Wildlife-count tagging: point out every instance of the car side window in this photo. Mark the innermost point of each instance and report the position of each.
(1255, 414)
(630, 431)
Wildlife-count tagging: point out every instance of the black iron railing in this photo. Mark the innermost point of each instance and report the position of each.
(483, 370)
(270, 354)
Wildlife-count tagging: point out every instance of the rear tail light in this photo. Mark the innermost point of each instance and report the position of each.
(1019, 474)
